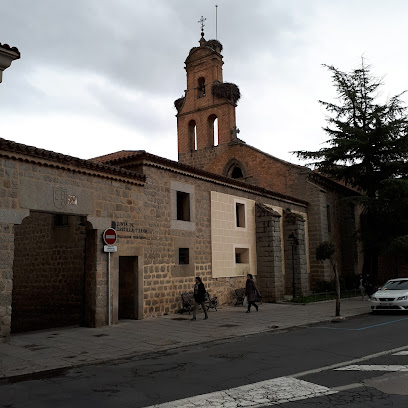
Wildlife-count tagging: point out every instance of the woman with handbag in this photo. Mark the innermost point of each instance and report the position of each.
(199, 297)
(251, 292)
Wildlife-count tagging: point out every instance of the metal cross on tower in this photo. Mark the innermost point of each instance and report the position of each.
(201, 21)
(234, 132)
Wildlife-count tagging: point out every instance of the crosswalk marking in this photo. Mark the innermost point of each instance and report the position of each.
(373, 367)
(270, 392)
(284, 389)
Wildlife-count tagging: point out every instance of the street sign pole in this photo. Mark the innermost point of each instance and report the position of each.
(109, 291)
(109, 236)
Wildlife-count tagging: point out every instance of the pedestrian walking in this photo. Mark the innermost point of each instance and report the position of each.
(199, 297)
(369, 286)
(361, 287)
(251, 292)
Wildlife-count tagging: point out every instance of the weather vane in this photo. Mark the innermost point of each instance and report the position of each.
(201, 21)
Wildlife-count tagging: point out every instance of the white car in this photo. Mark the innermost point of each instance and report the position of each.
(391, 296)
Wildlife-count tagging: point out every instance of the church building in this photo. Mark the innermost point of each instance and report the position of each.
(223, 210)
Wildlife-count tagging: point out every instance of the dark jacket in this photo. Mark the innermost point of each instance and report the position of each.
(199, 293)
(251, 291)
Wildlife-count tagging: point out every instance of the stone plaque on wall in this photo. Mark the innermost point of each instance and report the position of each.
(52, 197)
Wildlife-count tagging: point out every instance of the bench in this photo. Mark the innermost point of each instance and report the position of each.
(211, 302)
(187, 301)
(240, 295)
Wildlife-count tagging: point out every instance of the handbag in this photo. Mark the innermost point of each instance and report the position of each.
(245, 302)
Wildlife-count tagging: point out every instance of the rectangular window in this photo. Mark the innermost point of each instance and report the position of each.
(183, 206)
(240, 214)
(241, 255)
(184, 256)
(328, 218)
(60, 220)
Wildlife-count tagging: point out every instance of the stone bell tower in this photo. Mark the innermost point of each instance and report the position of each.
(207, 101)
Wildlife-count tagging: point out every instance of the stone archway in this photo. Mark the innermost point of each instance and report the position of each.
(50, 283)
(234, 169)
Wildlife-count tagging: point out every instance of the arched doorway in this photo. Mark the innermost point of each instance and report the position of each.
(49, 272)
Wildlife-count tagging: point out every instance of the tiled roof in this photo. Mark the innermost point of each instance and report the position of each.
(7, 47)
(315, 175)
(128, 158)
(122, 154)
(12, 149)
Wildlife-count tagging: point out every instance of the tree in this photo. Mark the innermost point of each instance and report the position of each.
(325, 251)
(368, 144)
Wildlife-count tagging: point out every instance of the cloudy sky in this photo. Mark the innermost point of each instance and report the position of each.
(98, 76)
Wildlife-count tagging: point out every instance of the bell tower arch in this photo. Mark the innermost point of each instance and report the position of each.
(208, 105)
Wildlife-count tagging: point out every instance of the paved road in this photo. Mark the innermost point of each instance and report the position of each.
(359, 363)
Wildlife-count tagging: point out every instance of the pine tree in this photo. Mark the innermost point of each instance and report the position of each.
(368, 140)
(368, 145)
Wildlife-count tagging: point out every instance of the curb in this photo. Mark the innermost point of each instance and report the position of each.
(46, 373)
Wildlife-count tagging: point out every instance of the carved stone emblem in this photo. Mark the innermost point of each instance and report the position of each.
(60, 197)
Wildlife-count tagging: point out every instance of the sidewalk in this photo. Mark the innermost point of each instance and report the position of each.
(48, 350)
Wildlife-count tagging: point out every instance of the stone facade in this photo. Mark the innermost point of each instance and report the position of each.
(271, 274)
(33, 181)
(174, 221)
(329, 218)
(55, 209)
(48, 272)
(200, 106)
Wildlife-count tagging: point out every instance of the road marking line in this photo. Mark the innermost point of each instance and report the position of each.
(401, 353)
(359, 329)
(346, 363)
(373, 367)
(348, 387)
(270, 392)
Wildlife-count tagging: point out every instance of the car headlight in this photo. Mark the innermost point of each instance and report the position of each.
(403, 298)
(373, 298)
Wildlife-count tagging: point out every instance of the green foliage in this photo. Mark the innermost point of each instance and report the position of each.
(324, 286)
(368, 149)
(368, 139)
(320, 296)
(325, 250)
(346, 283)
(385, 221)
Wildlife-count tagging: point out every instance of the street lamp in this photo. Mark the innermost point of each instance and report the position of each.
(293, 242)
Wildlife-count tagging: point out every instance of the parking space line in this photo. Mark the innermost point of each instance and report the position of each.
(346, 363)
(373, 367)
(360, 328)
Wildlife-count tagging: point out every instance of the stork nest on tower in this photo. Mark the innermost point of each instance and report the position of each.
(214, 44)
(179, 103)
(227, 91)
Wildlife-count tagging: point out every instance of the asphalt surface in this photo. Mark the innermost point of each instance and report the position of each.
(316, 355)
(51, 351)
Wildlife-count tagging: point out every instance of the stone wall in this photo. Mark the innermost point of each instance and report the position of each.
(162, 287)
(269, 253)
(277, 175)
(6, 278)
(144, 218)
(200, 158)
(29, 184)
(48, 273)
(295, 255)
